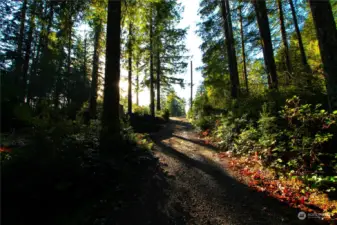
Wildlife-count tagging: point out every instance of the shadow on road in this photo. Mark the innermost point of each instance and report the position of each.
(261, 208)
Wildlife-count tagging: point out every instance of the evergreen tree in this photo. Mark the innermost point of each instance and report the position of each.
(327, 37)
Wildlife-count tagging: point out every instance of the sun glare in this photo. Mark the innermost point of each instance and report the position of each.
(144, 95)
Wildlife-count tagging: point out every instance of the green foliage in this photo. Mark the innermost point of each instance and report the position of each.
(141, 110)
(245, 142)
(267, 128)
(165, 114)
(299, 141)
(175, 105)
(227, 130)
(309, 136)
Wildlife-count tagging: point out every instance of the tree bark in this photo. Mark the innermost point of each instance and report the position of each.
(267, 47)
(28, 52)
(191, 101)
(19, 59)
(70, 29)
(94, 76)
(37, 51)
(158, 80)
(233, 68)
(137, 83)
(85, 58)
(284, 39)
(327, 38)
(44, 38)
(50, 23)
(110, 116)
(32, 73)
(130, 70)
(243, 49)
(151, 66)
(299, 36)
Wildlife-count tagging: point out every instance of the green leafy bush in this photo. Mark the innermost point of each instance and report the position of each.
(245, 142)
(141, 110)
(204, 123)
(228, 129)
(267, 128)
(309, 136)
(165, 114)
(298, 141)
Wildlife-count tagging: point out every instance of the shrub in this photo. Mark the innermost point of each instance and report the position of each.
(245, 143)
(165, 114)
(228, 129)
(267, 128)
(299, 140)
(141, 110)
(309, 132)
(204, 123)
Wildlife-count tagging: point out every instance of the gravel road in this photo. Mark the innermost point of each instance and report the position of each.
(201, 190)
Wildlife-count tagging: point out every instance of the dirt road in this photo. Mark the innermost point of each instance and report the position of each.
(202, 192)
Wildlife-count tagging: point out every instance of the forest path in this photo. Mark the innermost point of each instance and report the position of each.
(202, 191)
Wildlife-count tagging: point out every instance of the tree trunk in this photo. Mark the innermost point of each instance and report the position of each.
(22, 28)
(18, 59)
(151, 66)
(70, 29)
(263, 23)
(327, 38)
(284, 39)
(85, 58)
(50, 23)
(158, 80)
(37, 50)
(243, 49)
(191, 101)
(110, 117)
(27, 56)
(94, 76)
(299, 36)
(130, 70)
(32, 73)
(137, 83)
(57, 85)
(233, 68)
(44, 37)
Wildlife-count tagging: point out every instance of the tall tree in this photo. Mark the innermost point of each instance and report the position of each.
(130, 43)
(232, 63)
(28, 50)
(158, 78)
(284, 38)
(299, 36)
(243, 47)
(110, 116)
(97, 17)
(95, 68)
(327, 38)
(151, 64)
(69, 25)
(137, 83)
(267, 47)
(19, 60)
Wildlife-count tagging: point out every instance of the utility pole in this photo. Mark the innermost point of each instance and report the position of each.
(191, 84)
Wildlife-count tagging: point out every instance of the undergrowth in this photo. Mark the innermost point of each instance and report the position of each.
(297, 142)
(53, 168)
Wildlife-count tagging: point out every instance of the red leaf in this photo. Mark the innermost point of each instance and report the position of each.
(4, 149)
(205, 133)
